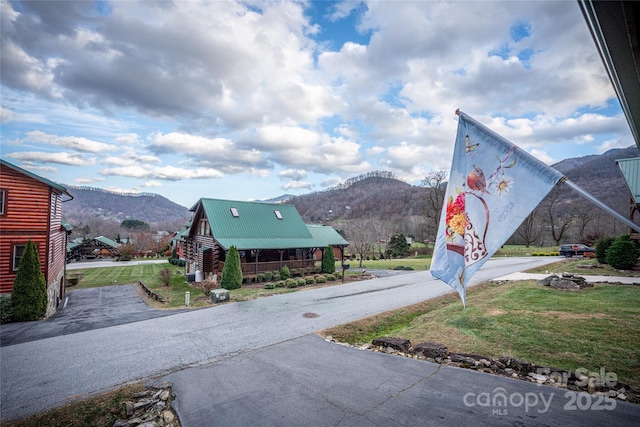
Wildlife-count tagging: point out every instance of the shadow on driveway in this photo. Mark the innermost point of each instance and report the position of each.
(85, 310)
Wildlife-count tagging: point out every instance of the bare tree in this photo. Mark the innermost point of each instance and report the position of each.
(362, 235)
(436, 182)
(558, 219)
(582, 219)
(530, 229)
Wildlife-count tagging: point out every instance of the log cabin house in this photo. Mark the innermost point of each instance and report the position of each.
(268, 236)
(31, 209)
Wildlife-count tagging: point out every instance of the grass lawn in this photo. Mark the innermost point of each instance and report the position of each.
(150, 275)
(570, 265)
(98, 411)
(593, 328)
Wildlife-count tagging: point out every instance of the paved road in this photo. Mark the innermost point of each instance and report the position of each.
(77, 265)
(44, 373)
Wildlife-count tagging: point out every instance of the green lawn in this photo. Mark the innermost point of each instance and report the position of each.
(149, 274)
(592, 328)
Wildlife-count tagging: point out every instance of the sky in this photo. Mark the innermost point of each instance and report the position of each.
(250, 100)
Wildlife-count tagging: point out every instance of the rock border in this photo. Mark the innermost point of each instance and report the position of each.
(506, 366)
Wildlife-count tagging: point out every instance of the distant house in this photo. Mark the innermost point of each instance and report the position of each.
(630, 169)
(98, 247)
(267, 236)
(31, 209)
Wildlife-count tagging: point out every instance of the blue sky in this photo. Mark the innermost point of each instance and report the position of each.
(250, 100)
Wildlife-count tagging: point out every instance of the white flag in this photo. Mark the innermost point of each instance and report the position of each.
(493, 187)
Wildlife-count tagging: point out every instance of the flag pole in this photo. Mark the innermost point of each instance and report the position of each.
(601, 205)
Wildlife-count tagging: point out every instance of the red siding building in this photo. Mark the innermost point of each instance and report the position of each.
(31, 209)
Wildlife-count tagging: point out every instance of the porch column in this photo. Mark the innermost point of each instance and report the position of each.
(256, 262)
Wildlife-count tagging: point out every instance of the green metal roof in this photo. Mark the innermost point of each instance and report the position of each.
(73, 245)
(258, 225)
(107, 241)
(631, 170)
(46, 181)
(327, 235)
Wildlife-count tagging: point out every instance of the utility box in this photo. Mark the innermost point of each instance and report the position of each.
(219, 295)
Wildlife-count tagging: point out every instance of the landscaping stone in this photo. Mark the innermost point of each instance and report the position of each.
(568, 282)
(430, 349)
(547, 280)
(506, 366)
(395, 343)
(153, 408)
(564, 284)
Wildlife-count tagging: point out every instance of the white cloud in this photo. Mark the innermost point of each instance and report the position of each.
(87, 180)
(296, 185)
(261, 90)
(543, 156)
(61, 158)
(293, 174)
(169, 173)
(70, 142)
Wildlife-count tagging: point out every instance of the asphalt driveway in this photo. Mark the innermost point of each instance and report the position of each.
(85, 310)
(311, 382)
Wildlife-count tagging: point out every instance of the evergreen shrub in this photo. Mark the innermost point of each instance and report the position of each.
(284, 272)
(29, 295)
(328, 260)
(622, 254)
(602, 245)
(232, 272)
(291, 283)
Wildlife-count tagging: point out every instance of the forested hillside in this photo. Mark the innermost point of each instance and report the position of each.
(395, 206)
(98, 203)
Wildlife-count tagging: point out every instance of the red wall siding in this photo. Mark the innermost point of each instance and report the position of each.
(27, 217)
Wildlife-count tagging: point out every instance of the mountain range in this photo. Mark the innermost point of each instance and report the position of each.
(373, 195)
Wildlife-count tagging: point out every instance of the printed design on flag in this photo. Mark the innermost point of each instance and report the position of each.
(461, 235)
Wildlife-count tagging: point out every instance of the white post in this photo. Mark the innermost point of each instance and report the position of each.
(187, 296)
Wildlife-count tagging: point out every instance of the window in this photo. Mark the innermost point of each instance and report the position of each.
(234, 212)
(18, 250)
(204, 227)
(55, 198)
(278, 214)
(3, 201)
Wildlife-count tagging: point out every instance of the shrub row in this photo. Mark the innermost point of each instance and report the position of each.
(545, 253)
(177, 261)
(274, 276)
(294, 282)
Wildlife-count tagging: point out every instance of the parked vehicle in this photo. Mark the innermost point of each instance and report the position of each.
(576, 249)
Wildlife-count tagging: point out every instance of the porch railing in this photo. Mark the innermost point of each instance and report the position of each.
(301, 266)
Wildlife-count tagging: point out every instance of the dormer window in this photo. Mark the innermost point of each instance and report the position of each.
(234, 212)
(278, 214)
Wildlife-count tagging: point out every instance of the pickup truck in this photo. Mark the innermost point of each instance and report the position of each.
(577, 250)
